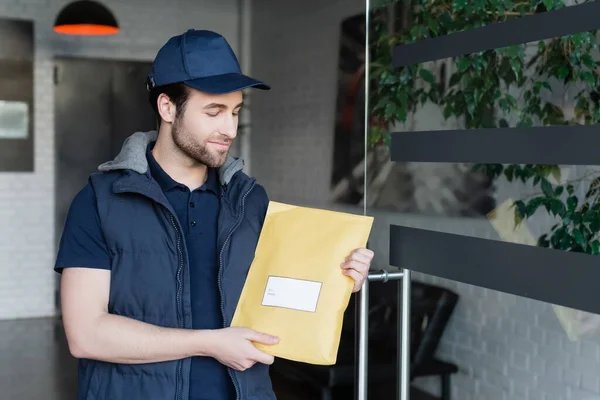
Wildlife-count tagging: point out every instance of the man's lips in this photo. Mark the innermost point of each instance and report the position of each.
(222, 145)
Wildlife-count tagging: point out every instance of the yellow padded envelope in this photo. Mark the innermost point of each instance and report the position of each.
(295, 288)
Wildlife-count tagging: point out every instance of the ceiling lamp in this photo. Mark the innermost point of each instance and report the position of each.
(86, 18)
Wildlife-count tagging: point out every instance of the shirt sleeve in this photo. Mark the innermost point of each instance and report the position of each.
(82, 242)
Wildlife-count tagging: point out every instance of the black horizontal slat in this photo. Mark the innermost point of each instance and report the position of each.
(550, 24)
(553, 276)
(540, 145)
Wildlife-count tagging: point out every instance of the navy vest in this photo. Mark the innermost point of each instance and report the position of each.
(150, 278)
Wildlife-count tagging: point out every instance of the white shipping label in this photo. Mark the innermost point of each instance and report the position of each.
(296, 294)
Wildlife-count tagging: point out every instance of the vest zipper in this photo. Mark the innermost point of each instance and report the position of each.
(235, 383)
(179, 305)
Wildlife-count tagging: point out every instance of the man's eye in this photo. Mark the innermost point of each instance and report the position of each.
(212, 115)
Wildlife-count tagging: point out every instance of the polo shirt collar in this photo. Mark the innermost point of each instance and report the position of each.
(167, 183)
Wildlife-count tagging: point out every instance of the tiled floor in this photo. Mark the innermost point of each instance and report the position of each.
(35, 364)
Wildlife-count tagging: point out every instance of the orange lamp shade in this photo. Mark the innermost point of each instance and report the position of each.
(86, 18)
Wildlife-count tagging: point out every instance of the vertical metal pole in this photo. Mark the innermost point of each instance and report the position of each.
(363, 343)
(245, 56)
(404, 360)
(399, 322)
(363, 299)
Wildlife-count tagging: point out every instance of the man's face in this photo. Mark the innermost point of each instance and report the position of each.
(207, 127)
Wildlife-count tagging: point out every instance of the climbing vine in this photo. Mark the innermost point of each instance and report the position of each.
(504, 87)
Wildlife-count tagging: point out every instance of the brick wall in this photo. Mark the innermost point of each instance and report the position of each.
(507, 347)
(27, 200)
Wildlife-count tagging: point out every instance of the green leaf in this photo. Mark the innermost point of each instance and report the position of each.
(402, 114)
(445, 19)
(570, 189)
(414, 32)
(572, 203)
(588, 61)
(471, 107)
(588, 77)
(534, 204)
(505, 105)
(579, 239)
(390, 110)
(547, 188)
(558, 191)
(434, 26)
(556, 172)
(520, 211)
(518, 219)
(460, 4)
(426, 75)
(463, 64)
(589, 217)
(515, 64)
(549, 4)
(557, 207)
(509, 172)
(581, 106)
(547, 86)
(562, 73)
(448, 111)
(595, 247)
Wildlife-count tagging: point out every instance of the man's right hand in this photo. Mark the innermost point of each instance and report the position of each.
(233, 347)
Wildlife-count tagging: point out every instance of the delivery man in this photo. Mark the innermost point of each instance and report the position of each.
(157, 245)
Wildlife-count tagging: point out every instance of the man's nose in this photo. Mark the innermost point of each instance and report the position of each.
(230, 127)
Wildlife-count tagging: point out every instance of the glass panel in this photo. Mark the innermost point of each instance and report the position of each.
(502, 346)
(550, 82)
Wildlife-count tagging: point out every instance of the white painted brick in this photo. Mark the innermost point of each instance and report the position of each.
(578, 394)
(518, 390)
(555, 369)
(572, 377)
(590, 382)
(590, 350)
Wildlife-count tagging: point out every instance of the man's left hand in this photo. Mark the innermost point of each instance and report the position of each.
(357, 266)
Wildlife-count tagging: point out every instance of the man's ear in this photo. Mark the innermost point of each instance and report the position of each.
(166, 109)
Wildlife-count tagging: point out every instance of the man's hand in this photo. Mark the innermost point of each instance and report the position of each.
(357, 266)
(233, 347)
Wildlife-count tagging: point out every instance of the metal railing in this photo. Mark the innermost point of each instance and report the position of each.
(362, 330)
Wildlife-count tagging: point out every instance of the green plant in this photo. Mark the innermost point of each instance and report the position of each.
(481, 94)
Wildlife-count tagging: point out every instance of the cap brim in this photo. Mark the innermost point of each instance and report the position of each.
(226, 83)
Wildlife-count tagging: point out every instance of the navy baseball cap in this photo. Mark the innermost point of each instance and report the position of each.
(202, 60)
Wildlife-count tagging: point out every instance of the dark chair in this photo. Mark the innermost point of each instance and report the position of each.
(431, 308)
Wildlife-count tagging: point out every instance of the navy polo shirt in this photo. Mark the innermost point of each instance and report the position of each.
(197, 212)
(83, 245)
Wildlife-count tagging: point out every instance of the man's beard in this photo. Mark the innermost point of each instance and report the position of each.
(197, 151)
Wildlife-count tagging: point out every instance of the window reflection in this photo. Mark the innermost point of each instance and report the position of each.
(14, 119)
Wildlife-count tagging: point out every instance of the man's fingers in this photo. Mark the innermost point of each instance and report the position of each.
(262, 338)
(358, 278)
(264, 358)
(356, 265)
(359, 256)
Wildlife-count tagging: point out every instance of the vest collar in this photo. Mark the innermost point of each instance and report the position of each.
(133, 157)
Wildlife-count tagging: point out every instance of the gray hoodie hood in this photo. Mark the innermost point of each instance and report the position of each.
(133, 157)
